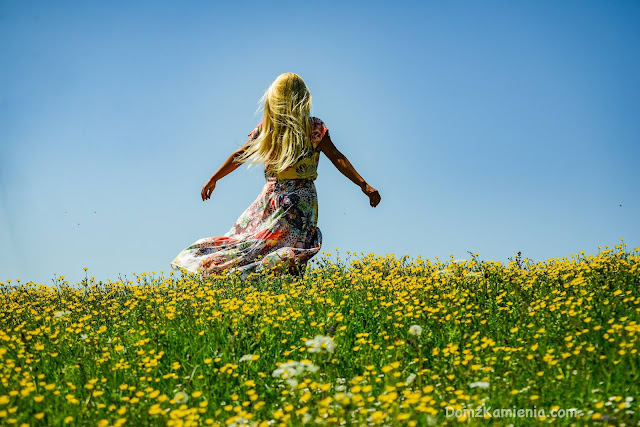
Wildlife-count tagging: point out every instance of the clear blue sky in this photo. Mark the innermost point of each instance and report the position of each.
(494, 127)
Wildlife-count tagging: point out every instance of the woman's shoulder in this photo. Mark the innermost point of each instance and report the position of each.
(319, 129)
(256, 131)
(316, 121)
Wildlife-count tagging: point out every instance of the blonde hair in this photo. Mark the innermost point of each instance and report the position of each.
(285, 135)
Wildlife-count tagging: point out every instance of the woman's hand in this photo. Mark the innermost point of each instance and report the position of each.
(372, 193)
(208, 189)
(341, 162)
(227, 167)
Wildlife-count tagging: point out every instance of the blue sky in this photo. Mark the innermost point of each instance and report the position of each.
(494, 127)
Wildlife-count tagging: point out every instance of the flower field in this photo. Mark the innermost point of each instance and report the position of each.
(370, 340)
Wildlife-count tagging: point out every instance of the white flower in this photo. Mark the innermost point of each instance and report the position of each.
(246, 357)
(341, 395)
(431, 420)
(320, 344)
(84, 336)
(292, 382)
(415, 330)
(480, 384)
(239, 422)
(340, 388)
(473, 274)
(293, 369)
(410, 378)
(459, 261)
(60, 314)
(445, 273)
(181, 397)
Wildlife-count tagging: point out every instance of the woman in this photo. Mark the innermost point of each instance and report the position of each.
(279, 230)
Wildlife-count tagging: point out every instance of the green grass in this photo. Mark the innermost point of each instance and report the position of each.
(178, 350)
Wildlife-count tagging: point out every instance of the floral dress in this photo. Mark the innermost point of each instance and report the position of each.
(277, 231)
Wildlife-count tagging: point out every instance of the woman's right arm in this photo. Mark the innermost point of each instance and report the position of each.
(227, 167)
(341, 162)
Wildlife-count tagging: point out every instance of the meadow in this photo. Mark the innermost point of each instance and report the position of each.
(368, 340)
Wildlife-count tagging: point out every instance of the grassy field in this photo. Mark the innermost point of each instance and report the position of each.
(363, 341)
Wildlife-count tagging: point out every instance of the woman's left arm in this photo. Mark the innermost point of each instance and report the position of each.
(343, 164)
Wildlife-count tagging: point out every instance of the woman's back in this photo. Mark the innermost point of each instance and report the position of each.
(306, 167)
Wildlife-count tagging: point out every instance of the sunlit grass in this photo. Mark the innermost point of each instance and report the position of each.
(369, 340)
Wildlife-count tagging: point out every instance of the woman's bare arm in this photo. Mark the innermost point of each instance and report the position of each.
(227, 167)
(341, 162)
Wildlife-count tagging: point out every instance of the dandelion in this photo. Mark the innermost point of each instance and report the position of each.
(415, 330)
(479, 384)
(321, 344)
(181, 397)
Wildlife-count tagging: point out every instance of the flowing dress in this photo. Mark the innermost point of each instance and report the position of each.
(277, 231)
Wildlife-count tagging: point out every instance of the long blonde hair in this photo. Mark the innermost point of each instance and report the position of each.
(285, 135)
